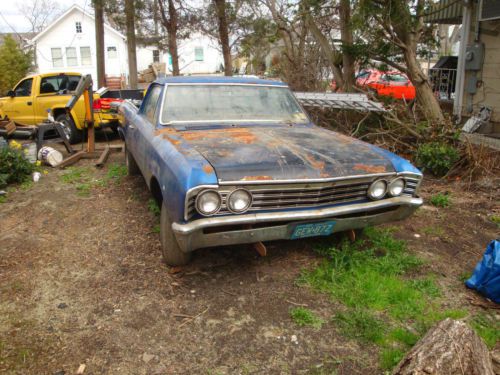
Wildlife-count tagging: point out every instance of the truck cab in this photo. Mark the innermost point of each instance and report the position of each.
(36, 95)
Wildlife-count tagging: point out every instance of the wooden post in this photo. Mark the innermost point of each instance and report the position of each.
(99, 37)
(89, 119)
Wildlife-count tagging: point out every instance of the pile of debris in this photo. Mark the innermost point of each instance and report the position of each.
(154, 71)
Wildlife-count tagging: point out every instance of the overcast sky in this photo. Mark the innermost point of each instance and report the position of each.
(10, 14)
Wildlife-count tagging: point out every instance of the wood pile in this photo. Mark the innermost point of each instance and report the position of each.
(154, 71)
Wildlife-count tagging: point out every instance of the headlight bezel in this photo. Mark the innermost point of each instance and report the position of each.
(228, 200)
(391, 184)
(199, 196)
(370, 188)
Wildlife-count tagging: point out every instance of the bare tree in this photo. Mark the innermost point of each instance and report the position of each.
(39, 13)
(99, 37)
(169, 19)
(131, 46)
(224, 36)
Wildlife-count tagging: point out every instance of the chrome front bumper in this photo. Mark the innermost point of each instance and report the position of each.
(220, 230)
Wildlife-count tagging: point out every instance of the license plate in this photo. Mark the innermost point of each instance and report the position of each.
(313, 230)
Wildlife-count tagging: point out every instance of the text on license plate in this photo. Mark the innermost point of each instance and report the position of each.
(313, 229)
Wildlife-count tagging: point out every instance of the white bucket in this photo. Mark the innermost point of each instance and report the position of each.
(50, 156)
(30, 151)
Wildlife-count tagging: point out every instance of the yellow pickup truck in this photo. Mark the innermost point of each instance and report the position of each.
(36, 95)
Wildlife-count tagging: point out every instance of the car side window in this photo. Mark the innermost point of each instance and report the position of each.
(24, 87)
(58, 83)
(151, 104)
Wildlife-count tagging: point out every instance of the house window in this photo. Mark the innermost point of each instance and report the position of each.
(85, 56)
(71, 59)
(57, 58)
(112, 53)
(78, 26)
(198, 54)
(156, 56)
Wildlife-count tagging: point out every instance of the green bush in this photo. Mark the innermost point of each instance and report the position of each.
(436, 157)
(14, 167)
(440, 200)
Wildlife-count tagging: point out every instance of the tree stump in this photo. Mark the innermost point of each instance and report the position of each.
(449, 348)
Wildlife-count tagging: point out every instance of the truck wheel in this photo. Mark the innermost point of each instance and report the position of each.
(74, 135)
(132, 167)
(172, 253)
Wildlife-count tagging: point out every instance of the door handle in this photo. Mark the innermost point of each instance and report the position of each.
(29, 103)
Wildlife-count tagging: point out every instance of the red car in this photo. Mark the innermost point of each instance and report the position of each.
(393, 83)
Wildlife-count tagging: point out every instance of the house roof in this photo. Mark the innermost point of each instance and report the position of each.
(219, 79)
(62, 16)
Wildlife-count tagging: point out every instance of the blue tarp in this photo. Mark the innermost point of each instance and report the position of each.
(486, 276)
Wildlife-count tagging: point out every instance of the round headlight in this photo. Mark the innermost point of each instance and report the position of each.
(208, 202)
(377, 189)
(396, 187)
(239, 200)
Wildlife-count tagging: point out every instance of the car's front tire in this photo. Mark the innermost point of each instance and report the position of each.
(132, 167)
(73, 134)
(172, 253)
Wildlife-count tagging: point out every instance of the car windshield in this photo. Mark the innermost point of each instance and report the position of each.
(396, 78)
(230, 103)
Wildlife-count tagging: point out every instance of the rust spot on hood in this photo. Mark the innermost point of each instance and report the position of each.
(256, 178)
(316, 164)
(370, 168)
(207, 168)
(166, 131)
(239, 135)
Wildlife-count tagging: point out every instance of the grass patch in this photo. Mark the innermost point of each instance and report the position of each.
(153, 207)
(434, 231)
(305, 317)
(441, 200)
(156, 228)
(495, 219)
(488, 327)
(3, 199)
(75, 174)
(116, 172)
(385, 303)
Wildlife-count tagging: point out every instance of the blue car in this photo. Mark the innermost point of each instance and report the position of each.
(237, 160)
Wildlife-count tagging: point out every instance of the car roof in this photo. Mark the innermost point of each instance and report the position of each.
(219, 79)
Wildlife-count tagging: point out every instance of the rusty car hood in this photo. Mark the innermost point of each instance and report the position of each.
(258, 153)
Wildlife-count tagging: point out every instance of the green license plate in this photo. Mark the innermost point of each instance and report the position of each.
(313, 230)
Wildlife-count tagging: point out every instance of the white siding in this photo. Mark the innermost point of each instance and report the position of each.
(63, 35)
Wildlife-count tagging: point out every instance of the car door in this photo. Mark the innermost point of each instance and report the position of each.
(53, 91)
(144, 127)
(20, 107)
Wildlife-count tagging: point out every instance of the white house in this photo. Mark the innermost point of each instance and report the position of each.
(68, 44)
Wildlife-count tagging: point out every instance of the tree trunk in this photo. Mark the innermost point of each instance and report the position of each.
(450, 348)
(170, 23)
(429, 104)
(131, 48)
(347, 39)
(99, 42)
(224, 36)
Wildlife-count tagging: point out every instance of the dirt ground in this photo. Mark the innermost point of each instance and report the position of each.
(82, 282)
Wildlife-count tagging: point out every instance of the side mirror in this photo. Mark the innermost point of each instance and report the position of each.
(11, 93)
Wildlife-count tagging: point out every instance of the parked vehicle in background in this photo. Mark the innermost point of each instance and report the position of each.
(236, 160)
(392, 83)
(34, 96)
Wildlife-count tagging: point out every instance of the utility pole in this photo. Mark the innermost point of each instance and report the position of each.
(132, 57)
(99, 42)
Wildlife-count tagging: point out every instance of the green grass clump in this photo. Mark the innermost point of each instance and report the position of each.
(385, 303)
(3, 199)
(305, 317)
(361, 324)
(440, 200)
(116, 172)
(153, 207)
(488, 327)
(75, 174)
(495, 219)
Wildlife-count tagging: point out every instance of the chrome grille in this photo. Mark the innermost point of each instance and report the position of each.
(282, 196)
